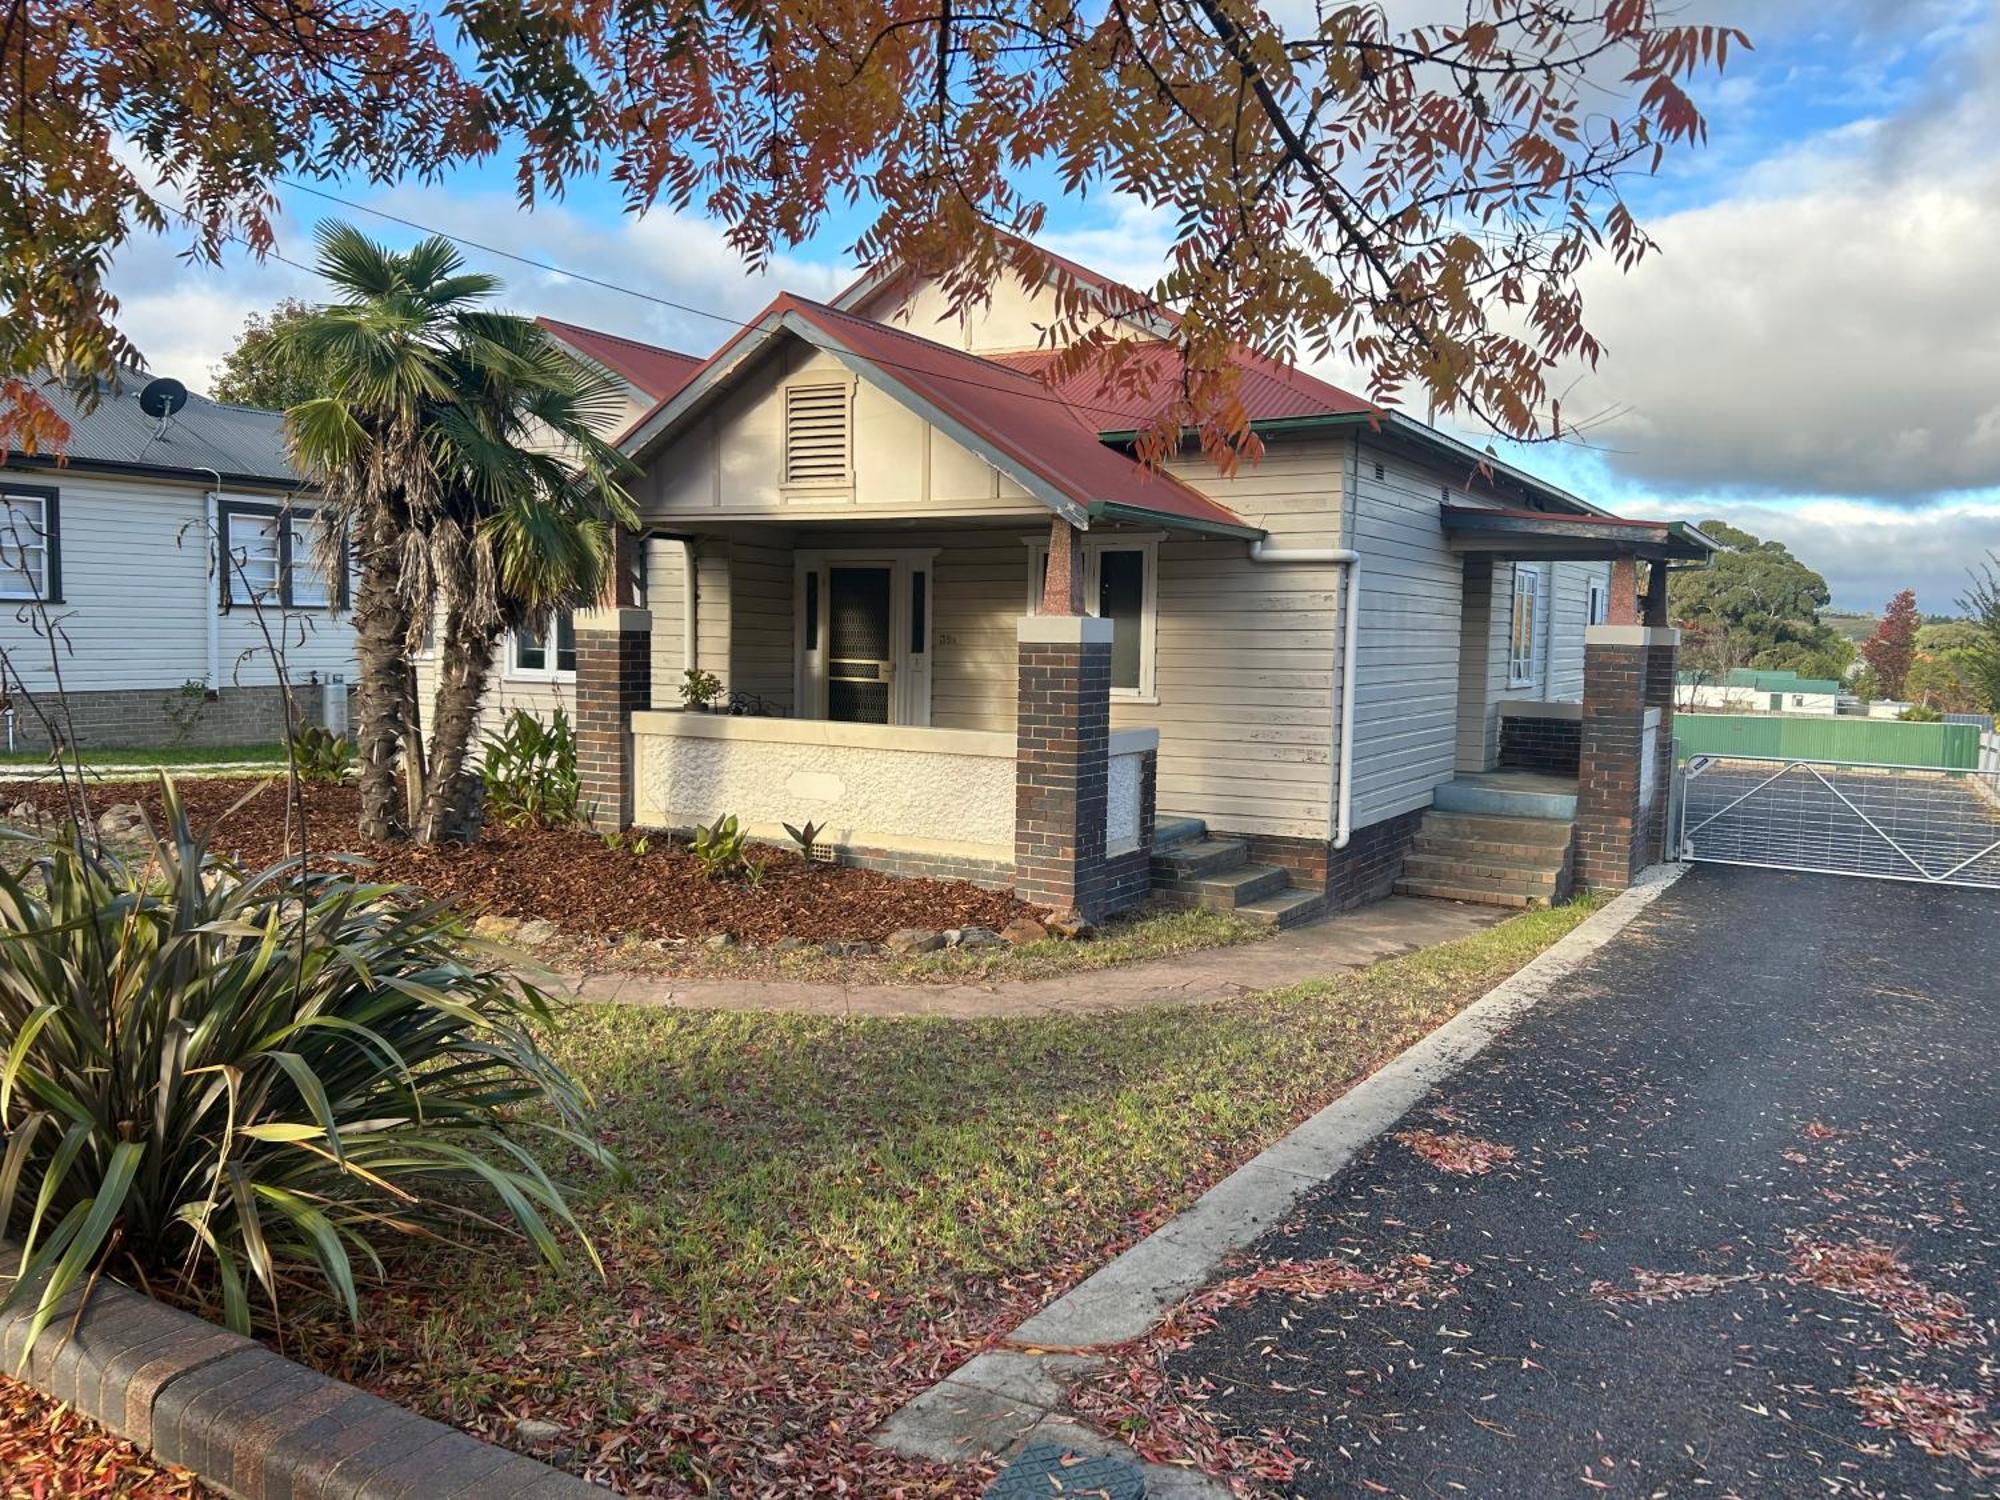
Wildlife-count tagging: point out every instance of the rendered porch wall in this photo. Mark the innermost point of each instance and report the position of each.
(909, 789)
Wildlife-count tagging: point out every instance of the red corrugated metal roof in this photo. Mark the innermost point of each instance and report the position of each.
(655, 371)
(1016, 413)
(1270, 391)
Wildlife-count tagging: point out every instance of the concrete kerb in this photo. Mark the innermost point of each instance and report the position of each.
(250, 1423)
(1000, 1401)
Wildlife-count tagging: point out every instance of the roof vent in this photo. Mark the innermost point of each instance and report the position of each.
(816, 435)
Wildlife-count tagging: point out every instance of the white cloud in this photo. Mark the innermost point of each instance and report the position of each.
(1868, 552)
(184, 317)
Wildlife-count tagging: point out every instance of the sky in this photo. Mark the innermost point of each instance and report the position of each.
(1813, 354)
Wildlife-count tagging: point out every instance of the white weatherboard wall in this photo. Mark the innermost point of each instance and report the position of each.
(137, 597)
(873, 786)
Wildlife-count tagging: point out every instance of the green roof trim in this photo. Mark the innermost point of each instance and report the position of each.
(1135, 515)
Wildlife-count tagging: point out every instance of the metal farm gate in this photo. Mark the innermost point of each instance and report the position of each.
(1934, 825)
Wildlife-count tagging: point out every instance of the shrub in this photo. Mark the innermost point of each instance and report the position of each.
(1920, 713)
(699, 689)
(320, 754)
(529, 770)
(807, 838)
(720, 848)
(216, 1081)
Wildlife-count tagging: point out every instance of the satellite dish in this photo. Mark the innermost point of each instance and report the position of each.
(161, 398)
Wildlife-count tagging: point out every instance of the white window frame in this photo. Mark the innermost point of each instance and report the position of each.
(1147, 545)
(549, 671)
(910, 679)
(1597, 604)
(38, 536)
(1525, 671)
(283, 519)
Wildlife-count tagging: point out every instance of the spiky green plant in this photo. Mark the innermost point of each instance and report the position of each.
(215, 1081)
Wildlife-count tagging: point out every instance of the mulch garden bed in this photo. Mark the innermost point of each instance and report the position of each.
(49, 1452)
(573, 878)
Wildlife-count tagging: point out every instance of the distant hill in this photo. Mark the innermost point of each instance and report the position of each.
(1856, 627)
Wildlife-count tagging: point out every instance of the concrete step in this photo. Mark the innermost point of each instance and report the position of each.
(1500, 874)
(1489, 849)
(1446, 891)
(1171, 832)
(1286, 909)
(1498, 828)
(1179, 863)
(1471, 795)
(1232, 890)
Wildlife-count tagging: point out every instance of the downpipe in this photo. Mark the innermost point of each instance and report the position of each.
(1349, 562)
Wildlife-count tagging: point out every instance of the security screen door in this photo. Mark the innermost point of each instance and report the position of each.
(860, 658)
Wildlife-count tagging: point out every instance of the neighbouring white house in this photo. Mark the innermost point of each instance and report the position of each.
(109, 579)
(1747, 690)
(968, 632)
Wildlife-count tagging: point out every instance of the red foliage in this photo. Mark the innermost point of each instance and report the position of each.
(1462, 1155)
(1893, 646)
(49, 1452)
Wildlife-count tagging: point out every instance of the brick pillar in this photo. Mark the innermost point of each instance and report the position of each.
(614, 650)
(1621, 604)
(1624, 766)
(1062, 760)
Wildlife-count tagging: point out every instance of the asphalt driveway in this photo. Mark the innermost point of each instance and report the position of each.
(1747, 1243)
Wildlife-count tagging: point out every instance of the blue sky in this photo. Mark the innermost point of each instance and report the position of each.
(1814, 354)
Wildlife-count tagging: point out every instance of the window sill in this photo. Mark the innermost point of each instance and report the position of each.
(539, 679)
(1144, 700)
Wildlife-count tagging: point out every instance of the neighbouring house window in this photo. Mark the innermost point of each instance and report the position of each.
(1599, 608)
(545, 648)
(29, 545)
(816, 434)
(271, 556)
(1525, 649)
(1120, 585)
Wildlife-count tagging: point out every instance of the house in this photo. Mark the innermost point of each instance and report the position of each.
(1745, 690)
(109, 579)
(970, 634)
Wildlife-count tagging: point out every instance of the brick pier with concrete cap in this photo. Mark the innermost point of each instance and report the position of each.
(1062, 763)
(249, 1422)
(614, 680)
(1625, 762)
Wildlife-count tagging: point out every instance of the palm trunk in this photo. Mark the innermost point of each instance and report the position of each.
(452, 801)
(416, 764)
(378, 650)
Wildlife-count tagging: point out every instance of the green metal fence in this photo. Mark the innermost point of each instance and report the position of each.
(1886, 742)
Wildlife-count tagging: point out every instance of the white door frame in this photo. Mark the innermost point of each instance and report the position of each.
(910, 685)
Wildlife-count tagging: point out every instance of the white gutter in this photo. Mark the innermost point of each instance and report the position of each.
(1349, 562)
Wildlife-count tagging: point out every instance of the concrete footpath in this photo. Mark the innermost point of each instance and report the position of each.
(1348, 940)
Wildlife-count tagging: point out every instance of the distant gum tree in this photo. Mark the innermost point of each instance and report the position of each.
(1419, 199)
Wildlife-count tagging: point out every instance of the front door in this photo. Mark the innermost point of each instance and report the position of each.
(860, 654)
(863, 628)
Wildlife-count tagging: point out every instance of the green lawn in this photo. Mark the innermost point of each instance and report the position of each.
(177, 755)
(823, 1215)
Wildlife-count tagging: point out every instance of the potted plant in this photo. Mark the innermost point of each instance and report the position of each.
(699, 690)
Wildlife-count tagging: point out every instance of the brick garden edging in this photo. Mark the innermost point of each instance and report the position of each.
(249, 1422)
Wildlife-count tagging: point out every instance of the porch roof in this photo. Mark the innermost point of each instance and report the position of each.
(1006, 416)
(1535, 534)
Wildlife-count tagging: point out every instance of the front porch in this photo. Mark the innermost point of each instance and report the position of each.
(911, 695)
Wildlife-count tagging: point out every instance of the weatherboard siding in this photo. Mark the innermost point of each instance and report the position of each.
(137, 598)
(730, 464)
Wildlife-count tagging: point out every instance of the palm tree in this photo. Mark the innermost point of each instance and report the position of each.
(459, 450)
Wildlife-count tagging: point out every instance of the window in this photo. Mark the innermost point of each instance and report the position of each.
(1119, 585)
(1524, 652)
(532, 653)
(30, 566)
(271, 556)
(1599, 608)
(816, 434)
